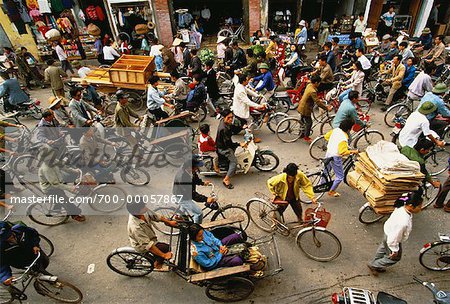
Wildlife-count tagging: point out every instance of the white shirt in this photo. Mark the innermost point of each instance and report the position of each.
(241, 102)
(360, 26)
(155, 50)
(206, 13)
(421, 84)
(397, 228)
(83, 71)
(60, 52)
(388, 18)
(415, 125)
(365, 63)
(221, 50)
(337, 136)
(356, 81)
(109, 52)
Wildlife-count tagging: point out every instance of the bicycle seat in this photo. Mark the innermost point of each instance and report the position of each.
(385, 298)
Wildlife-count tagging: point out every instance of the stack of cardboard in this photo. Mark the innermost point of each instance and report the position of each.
(381, 190)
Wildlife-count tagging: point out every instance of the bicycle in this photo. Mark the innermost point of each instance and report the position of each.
(314, 240)
(399, 110)
(367, 214)
(290, 129)
(45, 285)
(110, 199)
(218, 213)
(436, 255)
(360, 139)
(232, 34)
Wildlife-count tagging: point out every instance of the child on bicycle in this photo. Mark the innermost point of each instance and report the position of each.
(207, 145)
(285, 189)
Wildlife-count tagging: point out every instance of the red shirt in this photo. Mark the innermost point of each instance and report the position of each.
(206, 143)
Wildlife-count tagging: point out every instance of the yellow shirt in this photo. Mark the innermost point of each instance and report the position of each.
(342, 145)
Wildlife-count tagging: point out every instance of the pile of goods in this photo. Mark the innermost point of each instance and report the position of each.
(382, 174)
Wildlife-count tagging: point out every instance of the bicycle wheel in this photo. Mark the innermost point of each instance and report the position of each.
(110, 108)
(233, 211)
(430, 194)
(200, 114)
(318, 148)
(225, 33)
(46, 245)
(27, 166)
(47, 214)
(319, 245)
(135, 101)
(364, 105)
(274, 120)
(175, 153)
(110, 198)
(368, 138)
(170, 213)
(436, 162)
(326, 125)
(398, 110)
(261, 213)
(58, 290)
(135, 176)
(290, 129)
(281, 105)
(130, 263)
(230, 290)
(316, 179)
(436, 257)
(5, 296)
(368, 216)
(266, 161)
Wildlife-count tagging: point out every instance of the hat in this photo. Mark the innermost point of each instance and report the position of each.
(263, 66)
(325, 24)
(121, 94)
(177, 42)
(76, 64)
(440, 88)
(426, 31)
(53, 101)
(221, 38)
(303, 23)
(84, 82)
(427, 107)
(386, 37)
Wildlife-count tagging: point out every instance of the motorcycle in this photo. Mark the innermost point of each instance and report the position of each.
(27, 109)
(263, 160)
(351, 295)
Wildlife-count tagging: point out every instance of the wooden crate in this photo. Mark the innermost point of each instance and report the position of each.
(132, 71)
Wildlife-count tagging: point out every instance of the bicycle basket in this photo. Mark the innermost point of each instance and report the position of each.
(323, 215)
(356, 127)
(325, 187)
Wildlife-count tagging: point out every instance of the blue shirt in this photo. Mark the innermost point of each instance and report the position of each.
(347, 110)
(359, 44)
(267, 82)
(154, 99)
(16, 94)
(441, 107)
(331, 60)
(410, 72)
(426, 41)
(302, 37)
(208, 255)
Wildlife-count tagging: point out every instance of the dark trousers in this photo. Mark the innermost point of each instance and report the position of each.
(443, 194)
(159, 113)
(438, 126)
(65, 65)
(324, 87)
(307, 120)
(231, 260)
(163, 247)
(296, 206)
(70, 208)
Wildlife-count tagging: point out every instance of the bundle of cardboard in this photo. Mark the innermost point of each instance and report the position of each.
(381, 189)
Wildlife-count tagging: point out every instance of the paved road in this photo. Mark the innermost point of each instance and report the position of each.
(302, 281)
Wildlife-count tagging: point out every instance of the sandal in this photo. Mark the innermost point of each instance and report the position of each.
(333, 194)
(229, 186)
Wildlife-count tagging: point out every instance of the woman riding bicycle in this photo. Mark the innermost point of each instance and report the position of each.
(285, 189)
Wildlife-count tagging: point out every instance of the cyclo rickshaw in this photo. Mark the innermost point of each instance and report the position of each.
(227, 284)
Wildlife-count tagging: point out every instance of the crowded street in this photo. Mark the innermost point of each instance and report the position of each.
(272, 152)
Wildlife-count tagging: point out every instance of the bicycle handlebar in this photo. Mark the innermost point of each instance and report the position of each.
(28, 268)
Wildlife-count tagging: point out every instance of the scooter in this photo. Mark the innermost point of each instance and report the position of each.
(263, 160)
(363, 296)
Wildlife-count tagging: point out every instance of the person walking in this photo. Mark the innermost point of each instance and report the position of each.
(55, 75)
(62, 56)
(396, 231)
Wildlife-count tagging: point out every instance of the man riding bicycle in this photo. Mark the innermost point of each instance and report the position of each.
(435, 96)
(184, 186)
(285, 189)
(17, 96)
